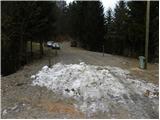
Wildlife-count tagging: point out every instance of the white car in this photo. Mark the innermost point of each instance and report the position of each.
(50, 43)
(55, 46)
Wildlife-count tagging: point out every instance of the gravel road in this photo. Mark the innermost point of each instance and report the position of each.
(22, 100)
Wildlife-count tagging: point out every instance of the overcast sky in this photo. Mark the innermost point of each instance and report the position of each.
(106, 3)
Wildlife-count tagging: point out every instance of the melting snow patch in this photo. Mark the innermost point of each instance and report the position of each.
(95, 88)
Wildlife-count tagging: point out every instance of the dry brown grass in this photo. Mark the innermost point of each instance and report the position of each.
(60, 107)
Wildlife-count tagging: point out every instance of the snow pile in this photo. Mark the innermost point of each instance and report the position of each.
(96, 88)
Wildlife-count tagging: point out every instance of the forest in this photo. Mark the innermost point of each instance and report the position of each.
(120, 31)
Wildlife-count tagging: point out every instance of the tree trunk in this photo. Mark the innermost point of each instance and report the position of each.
(21, 57)
(41, 48)
(31, 49)
(25, 51)
(20, 51)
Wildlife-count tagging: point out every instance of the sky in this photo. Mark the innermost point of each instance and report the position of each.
(106, 3)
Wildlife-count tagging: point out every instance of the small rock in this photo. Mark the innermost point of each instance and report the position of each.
(72, 89)
(67, 90)
(151, 94)
(156, 94)
(146, 94)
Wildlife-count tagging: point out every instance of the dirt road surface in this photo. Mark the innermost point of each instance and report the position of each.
(22, 100)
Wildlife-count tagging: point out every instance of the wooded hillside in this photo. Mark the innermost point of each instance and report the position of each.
(121, 31)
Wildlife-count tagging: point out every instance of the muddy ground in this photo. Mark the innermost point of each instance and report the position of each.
(22, 100)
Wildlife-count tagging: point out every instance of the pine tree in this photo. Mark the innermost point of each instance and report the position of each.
(154, 32)
(137, 28)
(87, 21)
(21, 22)
(95, 25)
(109, 31)
(120, 27)
(137, 16)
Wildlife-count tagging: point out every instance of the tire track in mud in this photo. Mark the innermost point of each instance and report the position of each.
(138, 105)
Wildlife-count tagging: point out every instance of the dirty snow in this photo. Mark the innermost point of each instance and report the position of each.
(97, 88)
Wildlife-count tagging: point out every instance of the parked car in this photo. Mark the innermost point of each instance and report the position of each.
(49, 43)
(55, 45)
(73, 44)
